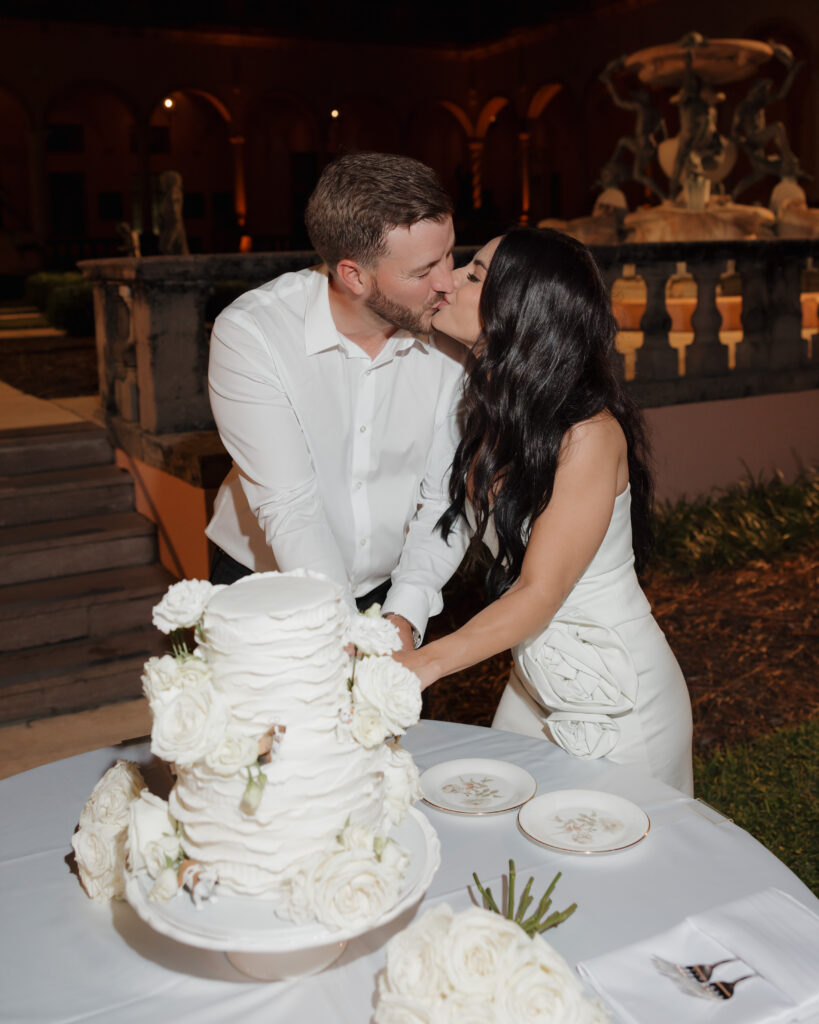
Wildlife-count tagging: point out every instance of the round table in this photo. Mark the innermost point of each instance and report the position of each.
(66, 959)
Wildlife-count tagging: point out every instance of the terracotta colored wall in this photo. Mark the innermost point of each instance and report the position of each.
(180, 511)
(708, 445)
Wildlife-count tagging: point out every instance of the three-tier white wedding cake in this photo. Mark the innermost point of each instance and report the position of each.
(288, 776)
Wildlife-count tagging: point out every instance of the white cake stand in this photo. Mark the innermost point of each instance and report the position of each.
(266, 947)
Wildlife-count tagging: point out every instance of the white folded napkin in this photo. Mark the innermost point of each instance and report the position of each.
(769, 933)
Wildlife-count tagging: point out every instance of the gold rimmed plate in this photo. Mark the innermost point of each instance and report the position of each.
(583, 821)
(476, 785)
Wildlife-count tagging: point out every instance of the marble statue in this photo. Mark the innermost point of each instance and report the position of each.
(649, 127)
(699, 147)
(753, 134)
(172, 238)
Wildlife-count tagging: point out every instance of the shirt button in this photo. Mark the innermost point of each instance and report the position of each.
(362, 429)
(358, 485)
(363, 542)
(367, 373)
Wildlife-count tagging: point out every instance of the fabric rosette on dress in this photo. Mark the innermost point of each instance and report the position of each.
(581, 672)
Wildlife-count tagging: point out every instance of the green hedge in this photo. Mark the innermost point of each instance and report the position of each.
(39, 287)
(71, 307)
(749, 521)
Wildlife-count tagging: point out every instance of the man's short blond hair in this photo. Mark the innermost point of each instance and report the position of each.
(361, 197)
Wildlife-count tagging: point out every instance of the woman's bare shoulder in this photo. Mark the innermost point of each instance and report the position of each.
(601, 431)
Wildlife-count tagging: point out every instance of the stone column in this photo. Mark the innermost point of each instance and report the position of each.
(752, 351)
(525, 189)
(240, 192)
(788, 348)
(706, 356)
(476, 158)
(656, 360)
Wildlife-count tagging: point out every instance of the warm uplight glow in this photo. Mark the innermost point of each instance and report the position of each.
(333, 113)
(167, 103)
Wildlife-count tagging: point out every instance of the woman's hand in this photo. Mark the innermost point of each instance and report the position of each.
(418, 663)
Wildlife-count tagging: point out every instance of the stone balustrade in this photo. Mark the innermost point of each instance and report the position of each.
(153, 318)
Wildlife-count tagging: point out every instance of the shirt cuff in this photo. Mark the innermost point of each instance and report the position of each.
(411, 605)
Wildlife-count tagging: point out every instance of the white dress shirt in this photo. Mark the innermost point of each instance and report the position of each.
(341, 463)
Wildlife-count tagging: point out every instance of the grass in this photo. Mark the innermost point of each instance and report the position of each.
(769, 788)
(753, 520)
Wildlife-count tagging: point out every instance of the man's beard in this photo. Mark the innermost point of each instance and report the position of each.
(402, 317)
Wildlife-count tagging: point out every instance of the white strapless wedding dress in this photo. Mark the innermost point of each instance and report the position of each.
(600, 680)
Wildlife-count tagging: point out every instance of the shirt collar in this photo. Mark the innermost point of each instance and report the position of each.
(321, 333)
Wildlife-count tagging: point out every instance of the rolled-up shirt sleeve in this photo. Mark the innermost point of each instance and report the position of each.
(427, 560)
(260, 430)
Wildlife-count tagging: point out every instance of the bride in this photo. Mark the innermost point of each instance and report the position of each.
(552, 475)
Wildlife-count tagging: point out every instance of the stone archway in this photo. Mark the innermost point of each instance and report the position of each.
(91, 169)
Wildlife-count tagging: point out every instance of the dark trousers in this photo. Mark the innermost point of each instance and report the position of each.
(224, 569)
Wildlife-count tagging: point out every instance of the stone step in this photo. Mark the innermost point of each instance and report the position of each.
(94, 604)
(41, 449)
(41, 551)
(64, 494)
(75, 675)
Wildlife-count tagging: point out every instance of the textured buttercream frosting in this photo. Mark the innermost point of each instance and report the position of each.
(276, 646)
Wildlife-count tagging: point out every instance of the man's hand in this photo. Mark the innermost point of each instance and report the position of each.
(404, 631)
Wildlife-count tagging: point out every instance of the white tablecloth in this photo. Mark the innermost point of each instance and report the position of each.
(65, 959)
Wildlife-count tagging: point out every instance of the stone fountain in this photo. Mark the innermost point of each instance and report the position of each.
(694, 204)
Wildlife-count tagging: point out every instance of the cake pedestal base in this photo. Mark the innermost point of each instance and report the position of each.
(281, 966)
(269, 948)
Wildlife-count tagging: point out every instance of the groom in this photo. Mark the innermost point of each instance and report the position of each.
(338, 409)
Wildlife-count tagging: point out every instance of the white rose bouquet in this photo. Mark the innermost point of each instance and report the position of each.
(99, 842)
(481, 967)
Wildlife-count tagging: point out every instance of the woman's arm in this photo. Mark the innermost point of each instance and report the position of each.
(591, 471)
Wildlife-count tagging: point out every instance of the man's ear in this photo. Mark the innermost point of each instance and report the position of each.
(353, 276)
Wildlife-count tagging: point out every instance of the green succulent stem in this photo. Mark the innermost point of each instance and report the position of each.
(536, 923)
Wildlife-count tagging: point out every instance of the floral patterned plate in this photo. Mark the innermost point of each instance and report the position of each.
(583, 821)
(476, 785)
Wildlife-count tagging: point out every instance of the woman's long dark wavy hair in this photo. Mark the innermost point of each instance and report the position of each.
(544, 363)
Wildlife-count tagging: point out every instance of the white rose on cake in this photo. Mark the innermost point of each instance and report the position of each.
(350, 889)
(100, 853)
(384, 684)
(152, 835)
(373, 635)
(402, 781)
(236, 751)
(183, 605)
(189, 726)
(165, 887)
(368, 726)
(160, 677)
(112, 795)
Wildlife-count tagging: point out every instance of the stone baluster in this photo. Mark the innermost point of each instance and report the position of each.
(706, 356)
(788, 349)
(611, 272)
(752, 351)
(656, 360)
